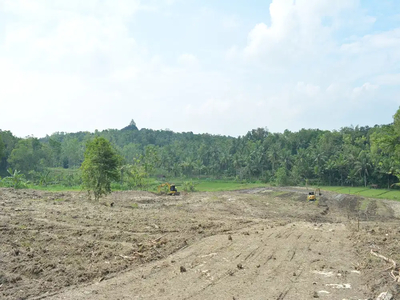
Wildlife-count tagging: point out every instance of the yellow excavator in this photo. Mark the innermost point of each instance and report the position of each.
(312, 196)
(172, 191)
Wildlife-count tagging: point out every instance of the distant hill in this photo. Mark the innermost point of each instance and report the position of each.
(131, 126)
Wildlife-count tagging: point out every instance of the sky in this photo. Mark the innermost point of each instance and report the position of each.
(207, 66)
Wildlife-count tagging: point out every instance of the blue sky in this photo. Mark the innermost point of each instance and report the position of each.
(222, 67)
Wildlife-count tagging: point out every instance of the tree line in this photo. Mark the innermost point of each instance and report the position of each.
(352, 156)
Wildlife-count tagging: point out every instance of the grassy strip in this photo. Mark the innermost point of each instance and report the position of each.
(201, 185)
(55, 188)
(365, 192)
(221, 185)
(209, 185)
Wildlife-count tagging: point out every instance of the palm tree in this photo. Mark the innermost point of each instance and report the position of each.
(362, 165)
(273, 155)
(341, 164)
(389, 167)
(330, 166)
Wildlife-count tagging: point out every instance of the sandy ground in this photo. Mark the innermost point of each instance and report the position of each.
(265, 243)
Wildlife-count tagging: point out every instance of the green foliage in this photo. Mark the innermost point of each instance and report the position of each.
(189, 186)
(2, 148)
(9, 141)
(16, 180)
(150, 159)
(72, 152)
(281, 177)
(100, 167)
(28, 155)
(211, 185)
(134, 176)
(352, 156)
(72, 179)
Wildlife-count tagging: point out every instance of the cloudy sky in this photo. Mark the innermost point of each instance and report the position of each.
(216, 66)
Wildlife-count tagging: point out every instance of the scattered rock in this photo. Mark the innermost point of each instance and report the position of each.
(385, 296)
(240, 266)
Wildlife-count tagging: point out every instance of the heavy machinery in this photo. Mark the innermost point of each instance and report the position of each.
(172, 191)
(312, 196)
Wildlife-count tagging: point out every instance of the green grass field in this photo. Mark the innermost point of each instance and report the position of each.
(214, 185)
(365, 192)
(223, 185)
(55, 188)
(201, 185)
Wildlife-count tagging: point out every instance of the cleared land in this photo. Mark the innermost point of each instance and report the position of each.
(262, 243)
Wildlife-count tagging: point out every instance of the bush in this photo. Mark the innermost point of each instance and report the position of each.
(15, 180)
(189, 186)
(281, 177)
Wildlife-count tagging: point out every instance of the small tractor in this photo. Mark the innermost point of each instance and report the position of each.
(312, 196)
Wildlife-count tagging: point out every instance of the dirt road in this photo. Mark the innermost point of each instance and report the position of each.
(256, 244)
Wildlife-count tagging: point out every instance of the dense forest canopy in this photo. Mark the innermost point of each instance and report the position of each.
(350, 156)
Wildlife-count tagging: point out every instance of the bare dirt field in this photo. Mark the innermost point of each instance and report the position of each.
(265, 243)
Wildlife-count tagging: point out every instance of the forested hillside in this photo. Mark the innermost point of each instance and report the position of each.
(350, 156)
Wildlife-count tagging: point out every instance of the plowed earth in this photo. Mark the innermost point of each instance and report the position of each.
(265, 243)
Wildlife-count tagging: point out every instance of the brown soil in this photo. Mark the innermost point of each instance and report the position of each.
(266, 243)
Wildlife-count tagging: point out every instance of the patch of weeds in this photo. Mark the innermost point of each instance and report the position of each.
(277, 194)
(3, 279)
(364, 204)
(59, 199)
(372, 208)
(213, 198)
(26, 244)
(134, 205)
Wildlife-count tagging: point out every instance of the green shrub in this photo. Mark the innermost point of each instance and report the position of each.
(189, 186)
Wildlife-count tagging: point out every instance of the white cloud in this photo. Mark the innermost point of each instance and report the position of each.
(213, 107)
(374, 42)
(81, 65)
(232, 53)
(301, 45)
(365, 90)
(76, 41)
(308, 89)
(230, 22)
(296, 29)
(57, 8)
(388, 79)
(189, 61)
